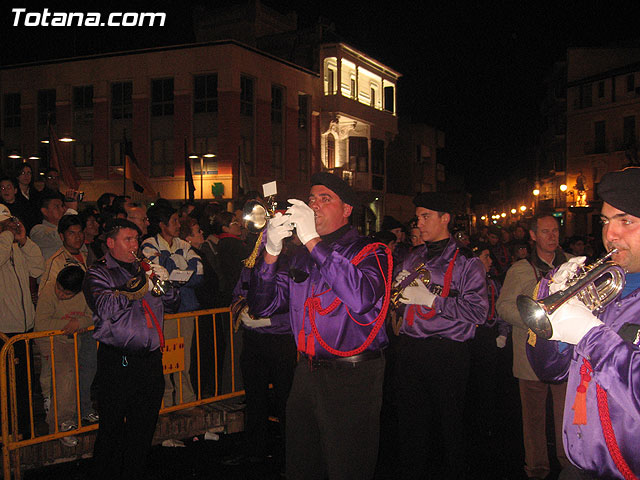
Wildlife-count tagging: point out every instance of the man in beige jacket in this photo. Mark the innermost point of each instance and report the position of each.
(521, 279)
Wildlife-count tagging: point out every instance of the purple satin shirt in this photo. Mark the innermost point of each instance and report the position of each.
(616, 368)
(120, 322)
(456, 316)
(331, 274)
(280, 324)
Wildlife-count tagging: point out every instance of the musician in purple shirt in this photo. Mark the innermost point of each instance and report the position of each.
(128, 322)
(433, 356)
(600, 354)
(336, 289)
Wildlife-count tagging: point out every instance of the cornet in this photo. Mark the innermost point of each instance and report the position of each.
(595, 286)
(256, 214)
(160, 287)
(419, 274)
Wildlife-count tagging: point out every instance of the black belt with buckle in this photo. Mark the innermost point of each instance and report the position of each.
(342, 362)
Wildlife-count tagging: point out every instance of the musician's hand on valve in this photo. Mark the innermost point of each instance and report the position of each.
(401, 276)
(303, 217)
(160, 272)
(572, 321)
(278, 228)
(418, 295)
(566, 271)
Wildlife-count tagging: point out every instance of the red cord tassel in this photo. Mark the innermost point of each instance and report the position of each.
(580, 403)
(311, 346)
(301, 341)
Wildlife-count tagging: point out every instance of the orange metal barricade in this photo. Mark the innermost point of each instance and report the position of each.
(12, 441)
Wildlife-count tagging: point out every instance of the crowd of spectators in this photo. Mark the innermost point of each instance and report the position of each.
(48, 240)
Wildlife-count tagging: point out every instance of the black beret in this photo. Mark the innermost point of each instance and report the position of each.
(436, 201)
(389, 223)
(336, 185)
(621, 190)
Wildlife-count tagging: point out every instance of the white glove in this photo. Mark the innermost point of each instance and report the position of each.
(160, 271)
(401, 276)
(418, 295)
(304, 219)
(278, 228)
(501, 341)
(566, 271)
(251, 322)
(572, 321)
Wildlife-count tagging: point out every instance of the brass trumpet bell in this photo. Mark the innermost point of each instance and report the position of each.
(256, 214)
(596, 286)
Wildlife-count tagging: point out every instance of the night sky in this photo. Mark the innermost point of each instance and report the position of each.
(471, 69)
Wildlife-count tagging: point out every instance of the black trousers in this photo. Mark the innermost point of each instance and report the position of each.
(482, 395)
(571, 472)
(266, 358)
(130, 392)
(333, 421)
(432, 376)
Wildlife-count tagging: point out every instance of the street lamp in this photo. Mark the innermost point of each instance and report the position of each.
(513, 211)
(536, 192)
(563, 188)
(523, 208)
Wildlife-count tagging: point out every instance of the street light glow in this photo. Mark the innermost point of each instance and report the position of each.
(563, 188)
(523, 208)
(513, 211)
(536, 192)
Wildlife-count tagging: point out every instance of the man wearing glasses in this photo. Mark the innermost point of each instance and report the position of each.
(335, 289)
(138, 215)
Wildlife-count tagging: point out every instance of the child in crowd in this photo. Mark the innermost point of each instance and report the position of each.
(61, 306)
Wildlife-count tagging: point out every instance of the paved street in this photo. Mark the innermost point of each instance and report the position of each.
(499, 456)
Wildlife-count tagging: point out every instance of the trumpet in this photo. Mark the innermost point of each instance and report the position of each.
(419, 274)
(596, 286)
(256, 214)
(160, 287)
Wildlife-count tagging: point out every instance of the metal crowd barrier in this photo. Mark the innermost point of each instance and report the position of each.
(12, 441)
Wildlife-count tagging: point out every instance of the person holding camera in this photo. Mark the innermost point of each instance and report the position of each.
(20, 258)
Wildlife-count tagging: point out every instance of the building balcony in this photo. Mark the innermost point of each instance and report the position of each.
(338, 103)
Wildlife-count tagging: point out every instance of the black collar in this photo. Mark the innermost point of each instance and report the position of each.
(336, 235)
(435, 249)
(132, 267)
